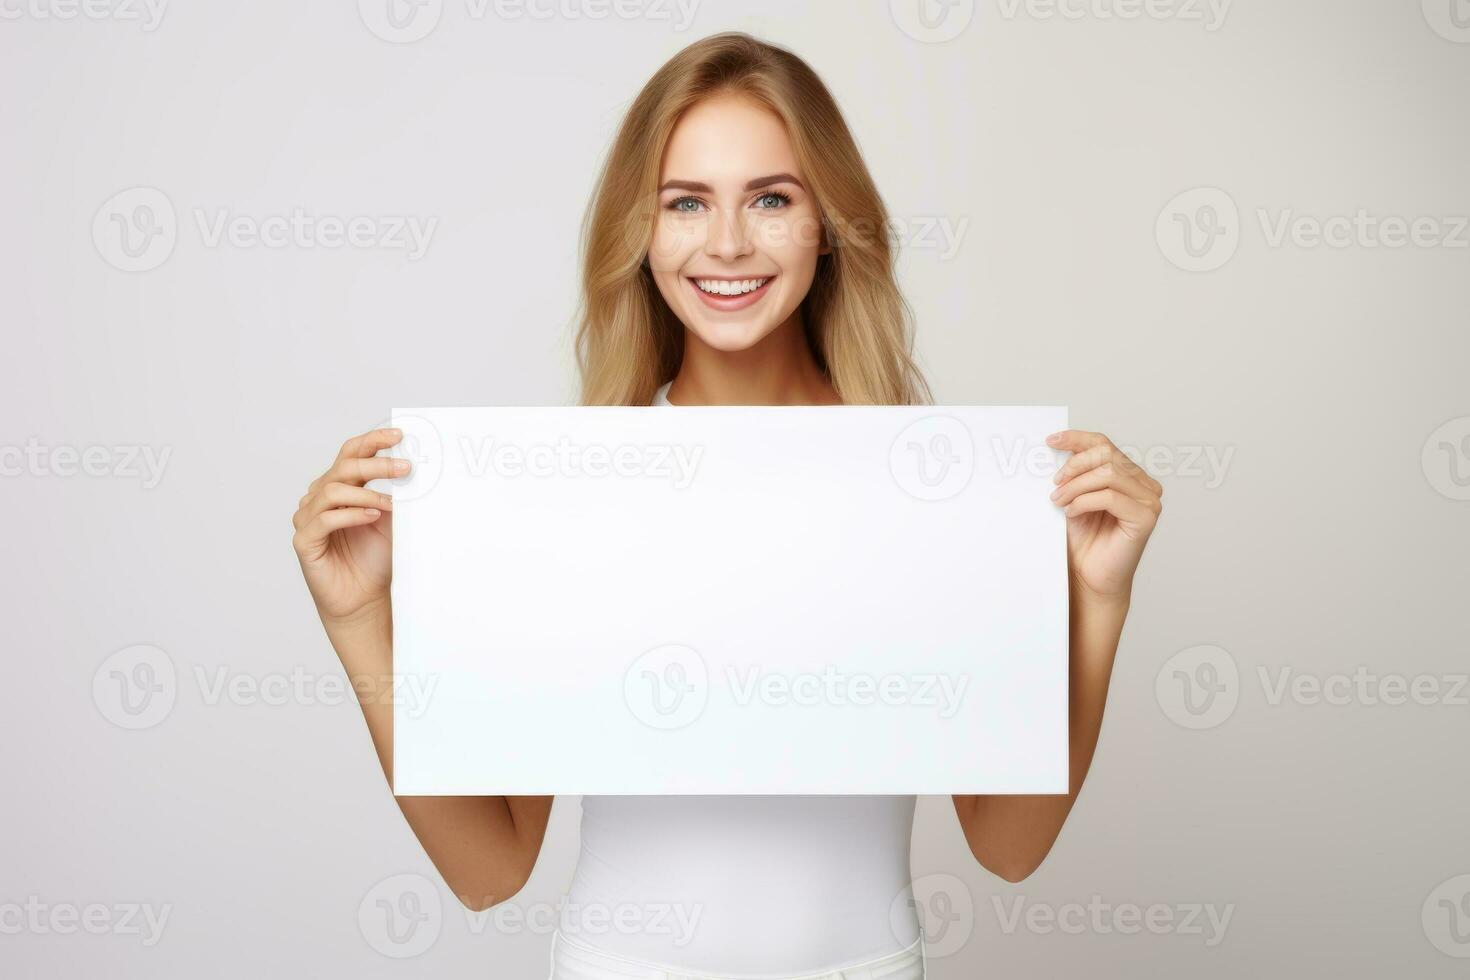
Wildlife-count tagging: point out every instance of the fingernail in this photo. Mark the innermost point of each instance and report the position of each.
(1056, 493)
(373, 512)
(400, 466)
(394, 433)
(1054, 438)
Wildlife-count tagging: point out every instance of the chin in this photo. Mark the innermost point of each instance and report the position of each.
(731, 337)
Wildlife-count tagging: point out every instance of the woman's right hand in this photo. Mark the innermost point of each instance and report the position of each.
(344, 531)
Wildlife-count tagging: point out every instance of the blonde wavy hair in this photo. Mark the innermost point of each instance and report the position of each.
(860, 330)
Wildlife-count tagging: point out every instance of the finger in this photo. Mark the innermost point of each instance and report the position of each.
(1075, 440)
(1084, 460)
(369, 443)
(310, 541)
(340, 495)
(1092, 449)
(1105, 476)
(1106, 454)
(1127, 464)
(1119, 505)
(358, 471)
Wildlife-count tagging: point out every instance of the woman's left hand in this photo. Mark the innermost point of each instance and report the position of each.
(1112, 506)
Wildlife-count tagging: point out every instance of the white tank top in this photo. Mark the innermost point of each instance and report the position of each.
(744, 885)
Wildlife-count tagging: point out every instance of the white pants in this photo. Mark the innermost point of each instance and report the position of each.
(571, 960)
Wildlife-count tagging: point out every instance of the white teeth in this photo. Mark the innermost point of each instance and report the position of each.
(728, 287)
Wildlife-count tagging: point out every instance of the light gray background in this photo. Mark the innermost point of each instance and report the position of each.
(1329, 542)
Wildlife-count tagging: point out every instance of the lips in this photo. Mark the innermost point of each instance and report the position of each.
(727, 294)
(730, 287)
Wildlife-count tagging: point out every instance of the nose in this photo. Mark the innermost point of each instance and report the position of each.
(728, 237)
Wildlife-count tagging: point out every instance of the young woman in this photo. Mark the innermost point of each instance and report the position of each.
(735, 254)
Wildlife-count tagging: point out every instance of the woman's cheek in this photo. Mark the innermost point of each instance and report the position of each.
(673, 241)
(810, 234)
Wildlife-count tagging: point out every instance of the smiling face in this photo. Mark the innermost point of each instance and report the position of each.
(737, 237)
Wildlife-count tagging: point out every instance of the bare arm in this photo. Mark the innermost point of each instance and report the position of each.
(484, 846)
(1112, 507)
(1011, 835)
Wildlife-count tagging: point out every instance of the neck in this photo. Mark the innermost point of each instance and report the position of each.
(779, 370)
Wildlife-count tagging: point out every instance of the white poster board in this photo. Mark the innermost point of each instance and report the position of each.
(816, 600)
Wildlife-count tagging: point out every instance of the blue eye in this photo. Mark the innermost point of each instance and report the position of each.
(772, 199)
(687, 205)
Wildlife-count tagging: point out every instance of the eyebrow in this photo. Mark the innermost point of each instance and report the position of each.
(750, 185)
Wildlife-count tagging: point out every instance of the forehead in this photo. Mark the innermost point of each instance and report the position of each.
(728, 139)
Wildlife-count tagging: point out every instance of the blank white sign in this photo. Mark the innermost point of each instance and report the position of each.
(675, 600)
